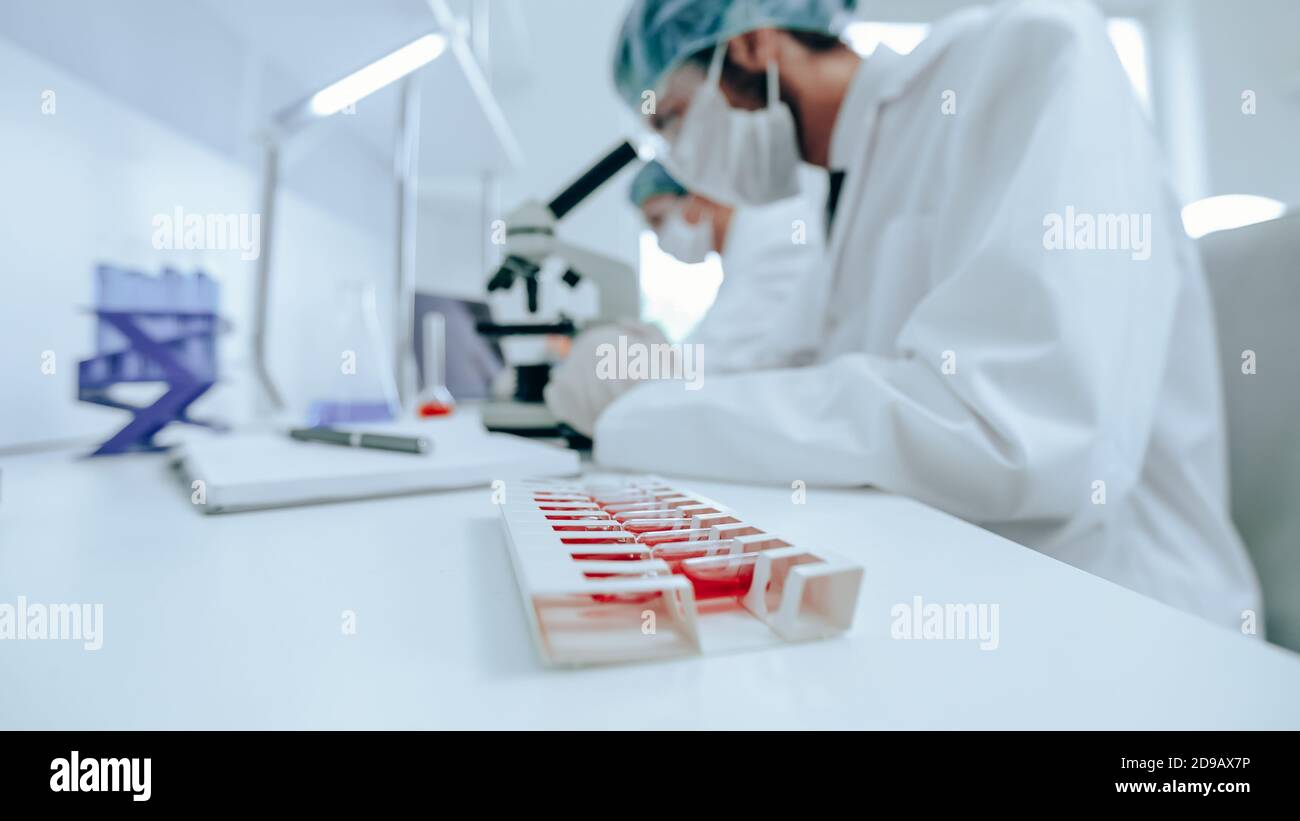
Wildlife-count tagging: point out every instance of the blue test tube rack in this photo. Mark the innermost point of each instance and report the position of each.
(151, 329)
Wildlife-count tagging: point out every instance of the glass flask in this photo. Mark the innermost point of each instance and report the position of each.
(356, 383)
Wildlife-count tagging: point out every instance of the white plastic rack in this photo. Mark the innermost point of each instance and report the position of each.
(637, 569)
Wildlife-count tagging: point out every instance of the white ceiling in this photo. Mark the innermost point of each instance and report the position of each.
(318, 41)
(312, 43)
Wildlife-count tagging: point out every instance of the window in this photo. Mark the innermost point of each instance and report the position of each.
(865, 36)
(676, 296)
(1126, 35)
(1228, 211)
(1130, 42)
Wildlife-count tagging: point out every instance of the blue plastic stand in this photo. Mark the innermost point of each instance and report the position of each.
(175, 345)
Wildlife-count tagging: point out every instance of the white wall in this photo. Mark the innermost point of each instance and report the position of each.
(190, 70)
(1248, 45)
(82, 186)
(1204, 54)
(555, 89)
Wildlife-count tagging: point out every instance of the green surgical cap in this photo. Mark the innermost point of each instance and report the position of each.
(653, 180)
(659, 34)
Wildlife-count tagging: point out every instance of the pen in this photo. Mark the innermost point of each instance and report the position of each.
(375, 441)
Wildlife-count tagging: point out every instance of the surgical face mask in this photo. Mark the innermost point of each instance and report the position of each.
(688, 243)
(735, 156)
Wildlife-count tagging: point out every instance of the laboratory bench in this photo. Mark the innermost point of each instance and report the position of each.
(404, 613)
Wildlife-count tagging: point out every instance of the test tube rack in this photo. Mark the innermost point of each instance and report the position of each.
(150, 329)
(636, 570)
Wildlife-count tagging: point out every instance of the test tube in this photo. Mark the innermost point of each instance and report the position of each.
(610, 537)
(624, 598)
(569, 507)
(657, 537)
(650, 516)
(588, 527)
(720, 577)
(629, 556)
(677, 552)
(435, 399)
(633, 497)
(654, 504)
(657, 525)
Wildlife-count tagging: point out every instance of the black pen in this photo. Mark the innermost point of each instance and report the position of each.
(375, 441)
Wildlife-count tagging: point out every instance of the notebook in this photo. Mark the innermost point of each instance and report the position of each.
(252, 471)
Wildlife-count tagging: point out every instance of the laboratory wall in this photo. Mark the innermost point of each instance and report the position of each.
(1203, 57)
(1248, 90)
(550, 73)
(216, 72)
(453, 250)
(85, 175)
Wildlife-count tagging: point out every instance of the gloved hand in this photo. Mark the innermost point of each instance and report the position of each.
(577, 392)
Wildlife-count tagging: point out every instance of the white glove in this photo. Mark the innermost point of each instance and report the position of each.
(577, 393)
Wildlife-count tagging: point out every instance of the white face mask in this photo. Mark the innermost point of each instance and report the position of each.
(688, 243)
(735, 156)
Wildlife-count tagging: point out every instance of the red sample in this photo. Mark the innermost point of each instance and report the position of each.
(599, 538)
(430, 409)
(608, 557)
(656, 525)
(730, 579)
(593, 527)
(675, 554)
(669, 536)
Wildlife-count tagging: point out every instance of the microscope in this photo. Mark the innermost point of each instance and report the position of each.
(530, 247)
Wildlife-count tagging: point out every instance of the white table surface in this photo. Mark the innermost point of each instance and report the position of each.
(234, 621)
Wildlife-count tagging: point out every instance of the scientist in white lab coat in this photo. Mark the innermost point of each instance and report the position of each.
(1012, 325)
(766, 253)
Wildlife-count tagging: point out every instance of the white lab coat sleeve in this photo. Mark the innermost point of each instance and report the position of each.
(1054, 357)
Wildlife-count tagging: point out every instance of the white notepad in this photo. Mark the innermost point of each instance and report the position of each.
(251, 471)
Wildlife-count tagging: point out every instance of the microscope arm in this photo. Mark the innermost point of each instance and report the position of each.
(618, 284)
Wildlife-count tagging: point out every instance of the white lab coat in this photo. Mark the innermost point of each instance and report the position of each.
(770, 253)
(1069, 400)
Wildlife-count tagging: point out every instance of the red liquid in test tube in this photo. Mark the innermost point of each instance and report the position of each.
(599, 538)
(629, 515)
(593, 527)
(656, 525)
(616, 498)
(635, 510)
(675, 554)
(732, 578)
(633, 500)
(608, 557)
(668, 536)
(623, 598)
